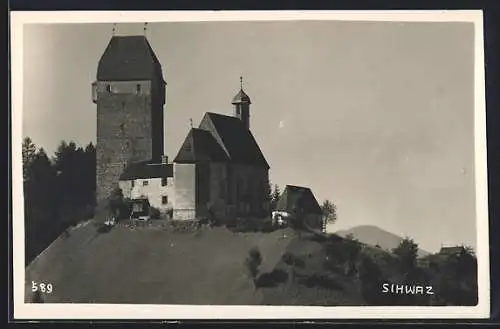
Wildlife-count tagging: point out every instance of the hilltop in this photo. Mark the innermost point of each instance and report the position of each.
(375, 236)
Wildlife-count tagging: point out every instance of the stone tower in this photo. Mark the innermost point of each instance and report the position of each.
(241, 103)
(130, 94)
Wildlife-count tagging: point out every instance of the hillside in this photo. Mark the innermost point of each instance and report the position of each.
(158, 265)
(373, 235)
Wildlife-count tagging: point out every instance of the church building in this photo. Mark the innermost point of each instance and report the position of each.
(219, 169)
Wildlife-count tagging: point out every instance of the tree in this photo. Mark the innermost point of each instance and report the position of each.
(115, 203)
(29, 152)
(40, 204)
(329, 210)
(407, 251)
(275, 196)
(352, 250)
(371, 281)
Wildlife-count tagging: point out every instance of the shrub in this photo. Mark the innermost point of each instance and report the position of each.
(371, 281)
(293, 260)
(318, 280)
(185, 226)
(154, 213)
(253, 261)
(103, 228)
(271, 279)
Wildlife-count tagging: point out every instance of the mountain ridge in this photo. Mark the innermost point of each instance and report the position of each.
(374, 235)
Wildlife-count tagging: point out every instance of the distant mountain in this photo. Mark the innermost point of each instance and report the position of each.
(373, 235)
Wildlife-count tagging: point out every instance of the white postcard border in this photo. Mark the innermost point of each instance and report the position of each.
(24, 310)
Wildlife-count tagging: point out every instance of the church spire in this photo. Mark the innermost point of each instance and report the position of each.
(241, 103)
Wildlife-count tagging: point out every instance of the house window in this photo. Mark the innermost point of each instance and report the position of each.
(164, 181)
(164, 199)
(145, 182)
(138, 88)
(108, 88)
(133, 183)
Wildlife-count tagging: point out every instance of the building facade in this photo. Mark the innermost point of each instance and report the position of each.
(219, 169)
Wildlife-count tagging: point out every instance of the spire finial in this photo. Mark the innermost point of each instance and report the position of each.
(114, 29)
(145, 27)
(241, 82)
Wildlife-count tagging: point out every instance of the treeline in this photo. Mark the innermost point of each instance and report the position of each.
(59, 191)
(444, 279)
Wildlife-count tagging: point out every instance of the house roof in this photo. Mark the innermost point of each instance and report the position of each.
(236, 140)
(146, 169)
(298, 197)
(199, 146)
(241, 97)
(451, 250)
(129, 58)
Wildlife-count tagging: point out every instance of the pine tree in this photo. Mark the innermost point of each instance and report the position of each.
(29, 152)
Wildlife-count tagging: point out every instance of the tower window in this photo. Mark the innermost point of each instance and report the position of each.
(145, 182)
(164, 199)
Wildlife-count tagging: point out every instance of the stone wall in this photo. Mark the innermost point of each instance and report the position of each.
(219, 189)
(125, 129)
(247, 188)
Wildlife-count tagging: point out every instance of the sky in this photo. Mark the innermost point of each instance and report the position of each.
(376, 116)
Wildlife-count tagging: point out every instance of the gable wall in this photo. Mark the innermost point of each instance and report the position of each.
(184, 193)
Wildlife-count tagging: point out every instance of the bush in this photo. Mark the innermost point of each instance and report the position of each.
(371, 281)
(185, 226)
(272, 279)
(253, 261)
(318, 280)
(154, 213)
(293, 260)
(102, 228)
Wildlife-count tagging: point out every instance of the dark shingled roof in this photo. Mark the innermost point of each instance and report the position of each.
(129, 58)
(241, 97)
(199, 146)
(451, 250)
(297, 197)
(237, 140)
(147, 169)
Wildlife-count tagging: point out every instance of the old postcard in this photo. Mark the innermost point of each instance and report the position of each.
(249, 165)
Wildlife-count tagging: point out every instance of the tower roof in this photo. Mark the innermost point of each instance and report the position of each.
(241, 97)
(129, 58)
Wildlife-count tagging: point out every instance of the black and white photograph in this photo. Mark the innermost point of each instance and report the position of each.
(249, 165)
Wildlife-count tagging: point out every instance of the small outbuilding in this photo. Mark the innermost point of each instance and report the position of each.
(298, 203)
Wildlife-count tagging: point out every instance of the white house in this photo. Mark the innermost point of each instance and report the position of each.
(153, 181)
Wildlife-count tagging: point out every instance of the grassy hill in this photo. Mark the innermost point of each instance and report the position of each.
(373, 235)
(160, 264)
